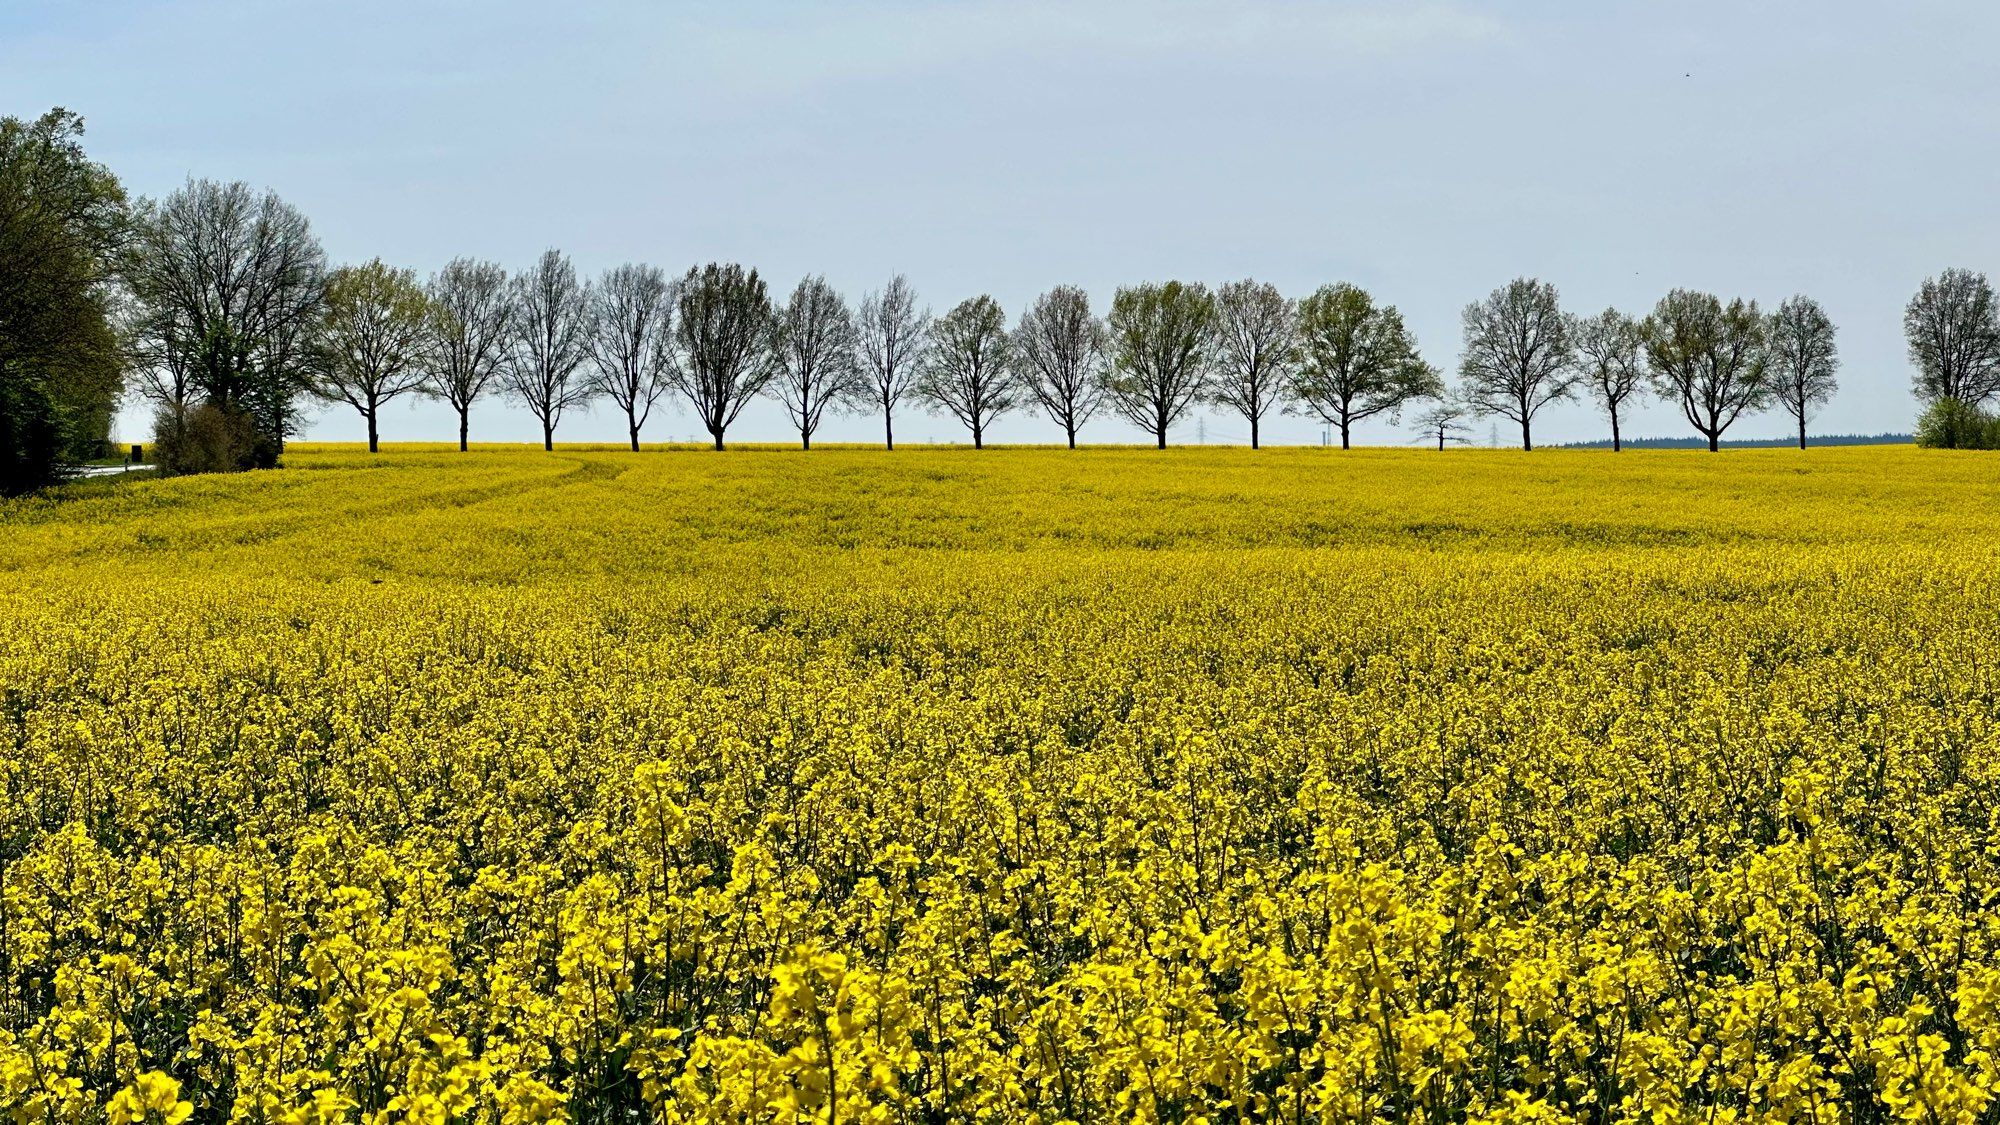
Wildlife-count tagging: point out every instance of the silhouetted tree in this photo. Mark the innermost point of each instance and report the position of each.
(1256, 350)
(1162, 348)
(1059, 347)
(1803, 358)
(1709, 358)
(226, 285)
(372, 338)
(1356, 360)
(1610, 360)
(968, 368)
(1445, 423)
(1953, 329)
(1517, 353)
(631, 342)
(817, 365)
(891, 334)
(725, 343)
(473, 332)
(550, 325)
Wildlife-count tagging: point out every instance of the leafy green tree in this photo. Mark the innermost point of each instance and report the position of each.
(726, 337)
(1356, 360)
(374, 335)
(63, 226)
(968, 369)
(1162, 353)
(1710, 358)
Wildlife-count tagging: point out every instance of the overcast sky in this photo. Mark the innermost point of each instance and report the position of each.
(1426, 151)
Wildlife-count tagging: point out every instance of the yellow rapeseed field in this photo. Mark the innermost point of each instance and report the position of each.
(1204, 785)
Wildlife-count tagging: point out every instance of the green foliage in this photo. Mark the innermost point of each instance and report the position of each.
(1952, 423)
(206, 439)
(62, 224)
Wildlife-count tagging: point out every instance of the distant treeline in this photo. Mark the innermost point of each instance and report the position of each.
(217, 303)
(1744, 443)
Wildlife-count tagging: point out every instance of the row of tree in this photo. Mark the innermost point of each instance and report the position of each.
(717, 339)
(221, 302)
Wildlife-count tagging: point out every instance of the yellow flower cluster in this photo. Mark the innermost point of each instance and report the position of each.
(1198, 786)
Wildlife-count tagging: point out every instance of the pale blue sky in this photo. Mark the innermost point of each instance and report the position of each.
(1427, 151)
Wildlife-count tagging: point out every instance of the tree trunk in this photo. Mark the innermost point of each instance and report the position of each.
(1527, 440)
(374, 438)
(1070, 431)
(717, 431)
(1253, 431)
(1614, 429)
(1440, 440)
(634, 428)
(1161, 434)
(978, 437)
(888, 429)
(548, 437)
(1714, 441)
(1802, 429)
(1343, 433)
(805, 439)
(463, 427)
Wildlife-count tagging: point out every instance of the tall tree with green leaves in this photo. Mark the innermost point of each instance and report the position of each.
(1803, 358)
(372, 341)
(1162, 353)
(1516, 357)
(1709, 358)
(725, 343)
(968, 369)
(1356, 360)
(63, 226)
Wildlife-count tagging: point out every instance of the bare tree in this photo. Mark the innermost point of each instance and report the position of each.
(1709, 358)
(968, 368)
(1356, 360)
(1609, 350)
(891, 335)
(473, 325)
(1257, 348)
(551, 333)
(1953, 328)
(1162, 347)
(724, 343)
(372, 339)
(1517, 353)
(1803, 358)
(631, 326)
(1059, 347)
(225, 284)
(1445, 423)
(817, 366)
